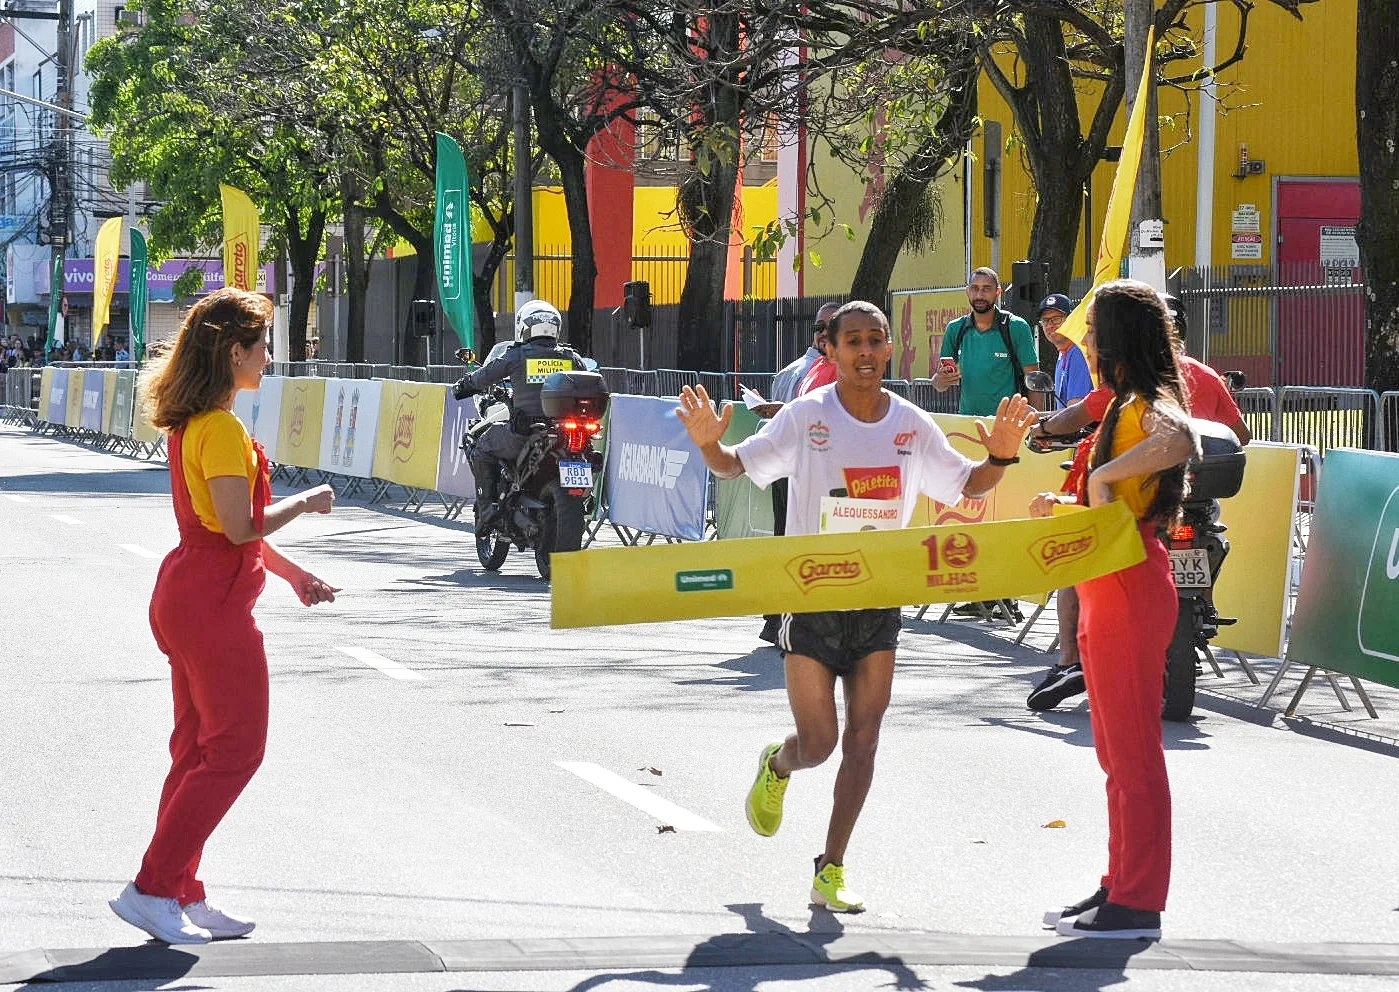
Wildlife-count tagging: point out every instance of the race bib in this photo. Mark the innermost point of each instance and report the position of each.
(843, 514)
(539, 369)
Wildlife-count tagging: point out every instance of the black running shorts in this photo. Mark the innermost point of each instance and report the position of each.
(840, 638)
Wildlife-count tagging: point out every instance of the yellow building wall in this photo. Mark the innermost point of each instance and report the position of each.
(1291, 101)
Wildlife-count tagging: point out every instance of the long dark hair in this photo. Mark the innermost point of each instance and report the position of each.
(196, 374)
(1137, 357)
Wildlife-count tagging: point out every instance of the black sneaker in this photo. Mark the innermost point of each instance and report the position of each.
(1053, 917)
(1059, 684)
(1113, 922)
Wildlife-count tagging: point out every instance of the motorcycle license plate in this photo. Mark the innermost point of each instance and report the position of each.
(575, 475)
(1190, 567)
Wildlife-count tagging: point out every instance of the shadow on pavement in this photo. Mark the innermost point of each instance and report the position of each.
(1046, 967)
(158, 963)
(759, 671)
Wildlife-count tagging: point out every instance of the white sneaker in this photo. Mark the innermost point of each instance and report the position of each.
(221, 925)
(162, 918)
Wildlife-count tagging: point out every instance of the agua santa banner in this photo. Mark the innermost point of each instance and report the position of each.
(657, 481)
(299, 428)
(741, 509)
(90, 418)
(349, 426)
(410, 433)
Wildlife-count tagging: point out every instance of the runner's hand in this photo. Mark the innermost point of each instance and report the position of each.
(1043, 504)
(696, 412)
(1014, 418)
(311, 590)
(319, 500)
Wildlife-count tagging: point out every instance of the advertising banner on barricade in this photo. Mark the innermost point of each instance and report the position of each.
(1253, 584)
(409, 440)
(73, 415)
(109, 397)
(299, 426)
(90, 416)
(349, 426)
(841, 571)
(741, 509)
(1347, 617)
(142, 430)
(123, 403)
(1010, 500)
(656, 478)
(48, 381)
(453, 472)
(265, 414)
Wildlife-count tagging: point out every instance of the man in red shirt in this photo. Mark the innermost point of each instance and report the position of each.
(823, 373)
(1210, 399)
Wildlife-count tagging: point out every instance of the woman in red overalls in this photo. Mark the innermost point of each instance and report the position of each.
(1127, 618)
(202, 608)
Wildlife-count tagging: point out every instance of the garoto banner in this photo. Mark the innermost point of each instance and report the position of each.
(848, 571)
(1347, 617)
(410, 433)
(242, 236)
(299, 427)
(105, 256)
(656, 477)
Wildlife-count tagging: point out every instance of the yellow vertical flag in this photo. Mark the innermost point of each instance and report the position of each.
(1119, 213)
(241, 235)
(105, 258)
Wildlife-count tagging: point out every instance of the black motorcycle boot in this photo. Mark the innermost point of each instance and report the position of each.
(487, 506)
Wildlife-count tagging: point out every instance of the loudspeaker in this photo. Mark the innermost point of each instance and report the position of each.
(422, 318)
(636, 305)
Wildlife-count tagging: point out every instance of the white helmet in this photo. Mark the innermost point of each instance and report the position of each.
(537, 319)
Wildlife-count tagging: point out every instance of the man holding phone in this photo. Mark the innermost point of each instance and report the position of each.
(987, 352)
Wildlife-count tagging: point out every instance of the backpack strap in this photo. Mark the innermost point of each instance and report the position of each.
(1003, 325)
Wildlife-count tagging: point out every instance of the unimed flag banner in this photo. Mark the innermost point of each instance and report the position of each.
(452, 240)
(241, 237)
(138, 294)
(55, 305)
(656, 477)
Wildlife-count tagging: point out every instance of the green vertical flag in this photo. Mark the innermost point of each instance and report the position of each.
(55, 298)
(138, 291)
(452, 240)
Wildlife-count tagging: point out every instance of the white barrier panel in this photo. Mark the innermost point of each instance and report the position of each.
(261, 412)
(349, 427)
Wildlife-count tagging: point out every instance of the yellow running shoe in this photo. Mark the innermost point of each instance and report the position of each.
(828, 890)
(765, 798)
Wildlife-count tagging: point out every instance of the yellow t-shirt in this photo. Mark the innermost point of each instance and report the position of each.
(1128, 435)
(215, 443)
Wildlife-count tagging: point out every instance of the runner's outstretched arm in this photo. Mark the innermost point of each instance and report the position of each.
(705, 428)
(1013, 419)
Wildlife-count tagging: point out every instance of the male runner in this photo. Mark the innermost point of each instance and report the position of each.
(850, 440)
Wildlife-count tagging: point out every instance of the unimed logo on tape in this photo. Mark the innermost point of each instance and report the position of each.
(651, 464)
(704, 580)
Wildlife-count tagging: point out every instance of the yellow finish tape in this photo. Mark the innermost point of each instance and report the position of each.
(850, 571)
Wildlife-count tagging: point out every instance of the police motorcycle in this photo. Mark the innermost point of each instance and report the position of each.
(1196, 545)
(545, 493)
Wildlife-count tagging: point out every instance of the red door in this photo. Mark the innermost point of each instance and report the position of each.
(1320, 331)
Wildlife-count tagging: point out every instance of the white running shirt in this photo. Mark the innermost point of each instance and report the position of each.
(825, 451)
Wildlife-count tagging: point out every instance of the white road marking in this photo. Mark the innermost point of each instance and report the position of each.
(138, 551)
(16, 499)
(374, 660)
(70, 521)
(643, 799)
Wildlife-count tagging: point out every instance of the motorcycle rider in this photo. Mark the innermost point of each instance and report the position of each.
(535, 355)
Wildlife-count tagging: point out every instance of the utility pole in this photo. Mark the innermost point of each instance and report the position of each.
(61, 198)
(524, 202)
(1147, 253)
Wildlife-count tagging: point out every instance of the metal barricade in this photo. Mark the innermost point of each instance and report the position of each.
(900, 387)
(1389, 421)
(1258, 404)
(716, 384)
(760, 381)
(925, 395)
(1328, 418)
(616, 379)
(641, 382)
(671, 381)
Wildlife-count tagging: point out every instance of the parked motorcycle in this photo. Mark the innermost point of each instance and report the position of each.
(547, 492)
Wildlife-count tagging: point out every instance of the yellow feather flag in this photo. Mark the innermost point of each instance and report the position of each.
(1119, 213)
(105, 258)
(241, 235)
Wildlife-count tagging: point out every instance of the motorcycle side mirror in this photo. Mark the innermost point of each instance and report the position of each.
(1236, 381)
(1039, 382)
(590, 364)
(466, 356)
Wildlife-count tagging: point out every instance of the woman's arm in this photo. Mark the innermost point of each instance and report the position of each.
(309, 589)
(233, 507)
(1169, 443)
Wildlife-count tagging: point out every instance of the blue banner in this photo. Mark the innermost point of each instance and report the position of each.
(453, 472)
(58, 398)
(656, 479)
(94, 395)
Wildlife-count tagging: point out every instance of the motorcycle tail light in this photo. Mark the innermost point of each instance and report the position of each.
(575, 439)
(1183, 534)
(592, 426)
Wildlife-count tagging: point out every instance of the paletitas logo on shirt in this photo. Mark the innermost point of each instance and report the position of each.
(819, 435)
(842, 569)
(885, 482)
(651, 464)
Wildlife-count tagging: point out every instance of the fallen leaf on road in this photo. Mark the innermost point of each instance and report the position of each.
(665, 828)
(978, 842)
(517, 723)
(1055, 824)
(556, 711)
(650, 768)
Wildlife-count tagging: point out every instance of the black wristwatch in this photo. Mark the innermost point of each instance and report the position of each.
(1001, 462)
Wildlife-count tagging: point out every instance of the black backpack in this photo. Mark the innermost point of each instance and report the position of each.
(1002, 325)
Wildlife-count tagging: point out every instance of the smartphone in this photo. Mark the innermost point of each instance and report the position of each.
(948, 365)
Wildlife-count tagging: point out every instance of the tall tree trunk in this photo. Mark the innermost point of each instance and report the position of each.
(303, 249)
(895, 213)
(424, 270)
(701, 316)
(1377, 126)
(572, 168)
(356, 269)
(481, 285)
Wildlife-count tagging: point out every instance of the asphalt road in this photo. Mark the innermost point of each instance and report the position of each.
(444, 767)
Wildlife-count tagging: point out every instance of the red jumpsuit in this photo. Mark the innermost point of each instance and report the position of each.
(1126, 621)
(202, 617)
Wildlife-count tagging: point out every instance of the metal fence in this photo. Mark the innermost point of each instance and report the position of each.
(1389, 421)
(1295, 324)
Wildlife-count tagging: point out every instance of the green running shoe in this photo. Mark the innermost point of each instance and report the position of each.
(828, 890)
(765, 798)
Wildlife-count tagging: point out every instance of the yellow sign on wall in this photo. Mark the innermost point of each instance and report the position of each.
(410, 433)
(841, 571)
(299, 431)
